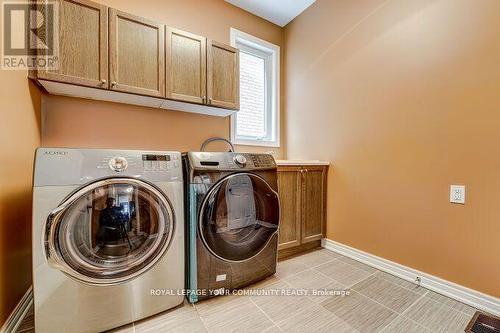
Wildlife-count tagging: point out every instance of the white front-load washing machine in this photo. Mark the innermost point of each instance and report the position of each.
(108, 237)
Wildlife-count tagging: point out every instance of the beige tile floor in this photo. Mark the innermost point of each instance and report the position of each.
(378, 302)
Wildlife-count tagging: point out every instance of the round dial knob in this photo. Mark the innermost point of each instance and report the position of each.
(240, 160)
(118, 164)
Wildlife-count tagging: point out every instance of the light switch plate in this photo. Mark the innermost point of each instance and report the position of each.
(457, 194)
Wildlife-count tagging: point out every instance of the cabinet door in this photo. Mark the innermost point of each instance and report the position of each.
(223, 75)
(289, 185)
(313, 203)
(186, 71)
(82, 43)
(137, 54)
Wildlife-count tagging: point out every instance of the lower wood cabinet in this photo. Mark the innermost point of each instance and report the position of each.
(302, 191)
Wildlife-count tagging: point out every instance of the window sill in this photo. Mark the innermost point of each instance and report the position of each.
(256, 143)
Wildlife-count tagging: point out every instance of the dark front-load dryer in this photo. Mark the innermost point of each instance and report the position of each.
(232, 221)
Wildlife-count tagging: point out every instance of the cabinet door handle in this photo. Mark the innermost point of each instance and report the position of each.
(103, 81)
(113, 84)
(210, 100)
(204, 99)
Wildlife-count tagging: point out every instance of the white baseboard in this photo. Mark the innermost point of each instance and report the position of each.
(16, 317)
(460, 293)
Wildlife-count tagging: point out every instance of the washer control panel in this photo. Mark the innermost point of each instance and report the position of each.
(118, 164)
(63, 166)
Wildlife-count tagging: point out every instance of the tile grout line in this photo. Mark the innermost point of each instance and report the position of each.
(376, 271)
(338, 258)
(385, 306)
(356, 268)
(363, 279)
(406, 310)
(302, 309)
(332, 279)
(323, 263)
(454, 309)
(199, 316)
(272, 321)
(403, 287)
(380, 305)
(265, 314)
(362, 295)
(308, 268)
(426, 291)
(422, 325)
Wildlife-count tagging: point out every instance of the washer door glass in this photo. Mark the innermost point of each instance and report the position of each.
(238, 217)
(111, 231)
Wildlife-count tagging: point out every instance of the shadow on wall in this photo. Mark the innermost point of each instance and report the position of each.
(36, 98)
(340, 42)
(20, 104)
(74, 122)
(15, 247)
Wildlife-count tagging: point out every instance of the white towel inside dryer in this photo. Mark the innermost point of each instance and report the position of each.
(240, 202)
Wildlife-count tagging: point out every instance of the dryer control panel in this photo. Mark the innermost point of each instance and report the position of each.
(230, 161)
(263, 160)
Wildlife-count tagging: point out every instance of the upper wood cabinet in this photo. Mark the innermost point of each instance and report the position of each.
(302, 191)
(186, 70)
(137, 54)
(223, 75)
(109, 55)
(83, 45)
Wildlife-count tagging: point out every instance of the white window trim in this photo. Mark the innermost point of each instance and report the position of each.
(257, 43)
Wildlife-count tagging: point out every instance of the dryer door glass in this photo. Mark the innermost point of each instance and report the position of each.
(238, 217)
(111, 231)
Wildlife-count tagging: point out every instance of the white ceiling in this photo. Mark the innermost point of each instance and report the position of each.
(279, 12)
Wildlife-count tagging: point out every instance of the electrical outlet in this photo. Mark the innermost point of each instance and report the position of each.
(457, 194)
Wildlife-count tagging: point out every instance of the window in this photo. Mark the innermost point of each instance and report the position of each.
(257, 122)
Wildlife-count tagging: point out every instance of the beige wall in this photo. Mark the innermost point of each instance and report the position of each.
(403, 97)
(19, 136)
(72, 122)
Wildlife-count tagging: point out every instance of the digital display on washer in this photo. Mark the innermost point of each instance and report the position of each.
(148, 157)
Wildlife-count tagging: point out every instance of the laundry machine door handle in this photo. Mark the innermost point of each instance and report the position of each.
(49, 234)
